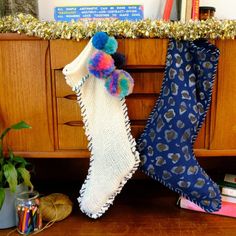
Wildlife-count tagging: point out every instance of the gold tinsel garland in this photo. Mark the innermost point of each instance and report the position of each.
(211, 29)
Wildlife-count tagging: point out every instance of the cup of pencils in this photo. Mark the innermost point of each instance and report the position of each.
(28, 216)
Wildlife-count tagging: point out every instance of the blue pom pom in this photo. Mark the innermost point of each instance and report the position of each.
(119, 59)
(99, 40)
(110, 46)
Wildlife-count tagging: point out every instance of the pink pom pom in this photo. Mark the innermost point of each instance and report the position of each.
(101, 65)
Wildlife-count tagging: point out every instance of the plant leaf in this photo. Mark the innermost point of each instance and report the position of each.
(4, 133)
(1, 177)
(20, 160)
(1, 150)
(20, 125)
(25, 174)
(10, 173)
(2, 197)
(11, 154)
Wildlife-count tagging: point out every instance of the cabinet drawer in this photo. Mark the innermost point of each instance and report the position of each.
(138, 52)
(67, 110)
(64, 52)
(62, 88)
(138, 109)
(71, 137)
(146, 81)
(145, 52)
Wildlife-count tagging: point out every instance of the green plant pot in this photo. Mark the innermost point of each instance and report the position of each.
(8, 212)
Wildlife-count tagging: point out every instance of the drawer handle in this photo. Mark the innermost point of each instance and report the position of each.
(71, 97)
(74, 123)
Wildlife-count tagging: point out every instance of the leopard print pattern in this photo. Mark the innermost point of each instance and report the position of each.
(166, 146)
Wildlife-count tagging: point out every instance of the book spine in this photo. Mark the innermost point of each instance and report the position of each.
(225, 198)
(183, 10)
(230, 178)
(189, 10)
(195, 10)
(228, 191)
(167, 9)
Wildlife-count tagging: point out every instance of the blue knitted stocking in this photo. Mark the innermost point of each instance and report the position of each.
(166, 145)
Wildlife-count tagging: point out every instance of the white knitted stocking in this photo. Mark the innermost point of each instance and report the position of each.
(113, 154)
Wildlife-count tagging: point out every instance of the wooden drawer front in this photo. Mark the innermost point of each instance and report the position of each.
(145, 52)
(200, 141)
(139, 108)
(65, 51)
(62, 88)
(70, 131)
(71, 137)
(68, 110)
(138, 52)
(146, 81)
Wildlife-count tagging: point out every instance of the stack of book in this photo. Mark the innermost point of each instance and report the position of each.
(186, 9)
(228, 188)
(189, 10)
(228, 193)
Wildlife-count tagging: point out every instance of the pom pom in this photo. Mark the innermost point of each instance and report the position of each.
(119, 83)
(101, 65)
(119, 59)
(99, 40)
(110, 46)
(55, 207)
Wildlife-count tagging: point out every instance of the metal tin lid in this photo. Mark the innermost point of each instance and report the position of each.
(207, 8)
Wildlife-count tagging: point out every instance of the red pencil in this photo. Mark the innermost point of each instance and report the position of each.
(167, 10)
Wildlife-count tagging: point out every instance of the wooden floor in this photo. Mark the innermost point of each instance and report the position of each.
(143, 208)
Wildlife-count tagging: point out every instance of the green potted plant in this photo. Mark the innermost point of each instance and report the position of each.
(14, 178)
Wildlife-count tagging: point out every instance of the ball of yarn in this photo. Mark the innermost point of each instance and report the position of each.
(99, 40)
(110, 46)
(119, 60)
(101, 64)
(55, 207)
(119, 83)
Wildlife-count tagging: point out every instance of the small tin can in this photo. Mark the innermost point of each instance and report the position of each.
(206, 12)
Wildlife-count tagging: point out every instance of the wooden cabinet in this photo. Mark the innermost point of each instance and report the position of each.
(25, 92)
(223, 119)
(33, 89)
(145, 62)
